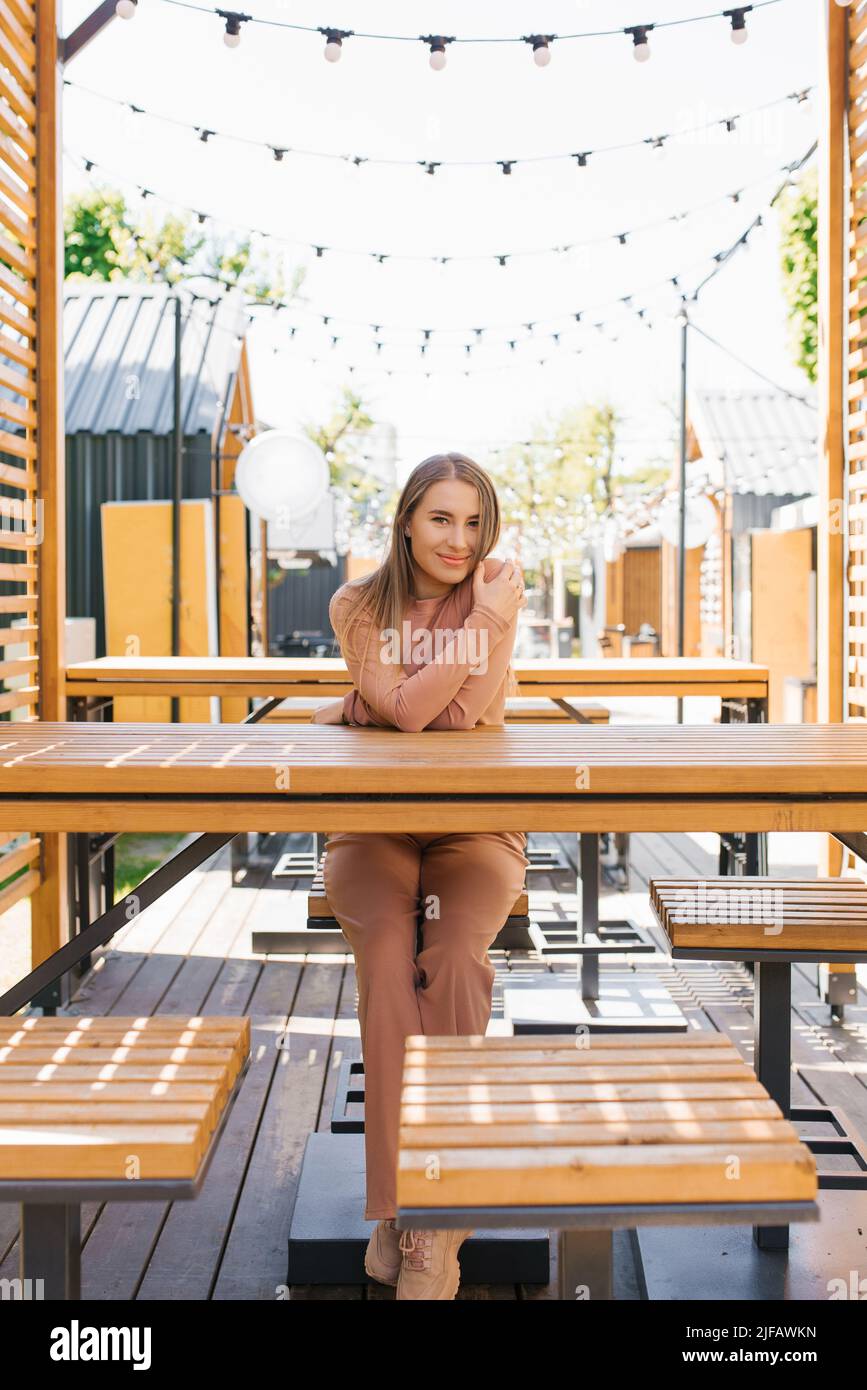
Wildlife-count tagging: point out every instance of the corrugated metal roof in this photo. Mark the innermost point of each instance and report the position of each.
(757, 441)
(119, 352)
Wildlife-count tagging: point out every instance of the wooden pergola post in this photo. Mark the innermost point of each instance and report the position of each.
(49, 926)
(831, 578)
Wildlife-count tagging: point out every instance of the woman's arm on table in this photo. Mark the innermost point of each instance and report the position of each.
(410, 702)
(478, 690)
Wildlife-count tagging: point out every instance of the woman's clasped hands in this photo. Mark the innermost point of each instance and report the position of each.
(504, 593)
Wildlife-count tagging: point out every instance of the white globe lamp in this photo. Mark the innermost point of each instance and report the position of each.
(282, 477)
(700, 520)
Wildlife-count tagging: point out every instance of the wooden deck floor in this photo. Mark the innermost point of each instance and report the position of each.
(190, 953)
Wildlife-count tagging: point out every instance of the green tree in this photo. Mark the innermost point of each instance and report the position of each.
(102, 240)
(799, 227)
(552, 490)
(341, 439)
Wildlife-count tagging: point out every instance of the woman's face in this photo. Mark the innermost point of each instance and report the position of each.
(444, 531)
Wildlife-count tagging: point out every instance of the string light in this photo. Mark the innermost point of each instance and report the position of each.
(125, 9)
(508, 329)
(234, 19)
(738, 18)
(579, 158)
(641, 48)
(334, 43)
(720, 259)
(541, 48)
(436, 43)
(499, 258)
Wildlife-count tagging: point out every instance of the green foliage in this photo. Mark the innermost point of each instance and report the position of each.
(799, 229)
(341, 439)
(551, 489)
(94, 233)
(103, 241)
(136, 856)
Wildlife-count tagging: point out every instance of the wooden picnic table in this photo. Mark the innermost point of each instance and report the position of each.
(69, 776)
(742, 688)
(284, 677)
(558, 684)
(221, 779)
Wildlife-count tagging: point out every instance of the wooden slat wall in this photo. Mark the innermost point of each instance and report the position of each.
(21, 520)
(855, 381)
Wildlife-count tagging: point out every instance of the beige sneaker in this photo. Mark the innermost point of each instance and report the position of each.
(430, 1267)
(382, 1259)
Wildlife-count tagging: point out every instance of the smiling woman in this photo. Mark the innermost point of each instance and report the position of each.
(457, 606)
(438, 576)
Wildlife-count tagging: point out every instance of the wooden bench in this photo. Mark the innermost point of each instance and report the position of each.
(773, 922)
(106, 1109)
(584, 1139)
(322, 930)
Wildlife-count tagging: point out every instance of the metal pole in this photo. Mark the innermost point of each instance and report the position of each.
(177, 494)
(681, 543)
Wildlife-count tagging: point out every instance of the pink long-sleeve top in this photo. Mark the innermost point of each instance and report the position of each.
(454, 681)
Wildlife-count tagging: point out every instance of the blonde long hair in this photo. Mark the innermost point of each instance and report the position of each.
(383, 595)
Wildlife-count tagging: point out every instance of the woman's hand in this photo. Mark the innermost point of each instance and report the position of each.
(504, 593)
(332, 713)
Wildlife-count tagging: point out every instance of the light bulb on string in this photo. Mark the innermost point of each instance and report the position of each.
(541, 49)
(234, 19)
(738, 18)
(125, 9)
(640, 45)
(334, 43)
(437, 44)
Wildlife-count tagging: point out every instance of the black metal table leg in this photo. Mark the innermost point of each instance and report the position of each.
(743, 853)
(723, 867)
(50, 1244)
(772, 1003)
(241, 843)
(588, 922)
(757, 842)
(82, 877)
(585, 1264)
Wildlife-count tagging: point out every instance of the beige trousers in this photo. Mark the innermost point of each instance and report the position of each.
(461, 889)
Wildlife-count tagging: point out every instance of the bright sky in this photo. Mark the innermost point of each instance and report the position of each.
(491, 102)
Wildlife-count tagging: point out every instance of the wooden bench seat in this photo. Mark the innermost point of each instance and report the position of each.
(573, 1135)
(107, 1109)
(322, 933)
(154, 1087)
(319, 908)
(760, 913)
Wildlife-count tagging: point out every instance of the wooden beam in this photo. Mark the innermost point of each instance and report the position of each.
(48, 905)
(833, 155)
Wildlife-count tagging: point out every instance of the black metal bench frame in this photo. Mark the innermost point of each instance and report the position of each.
(585, 1248)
